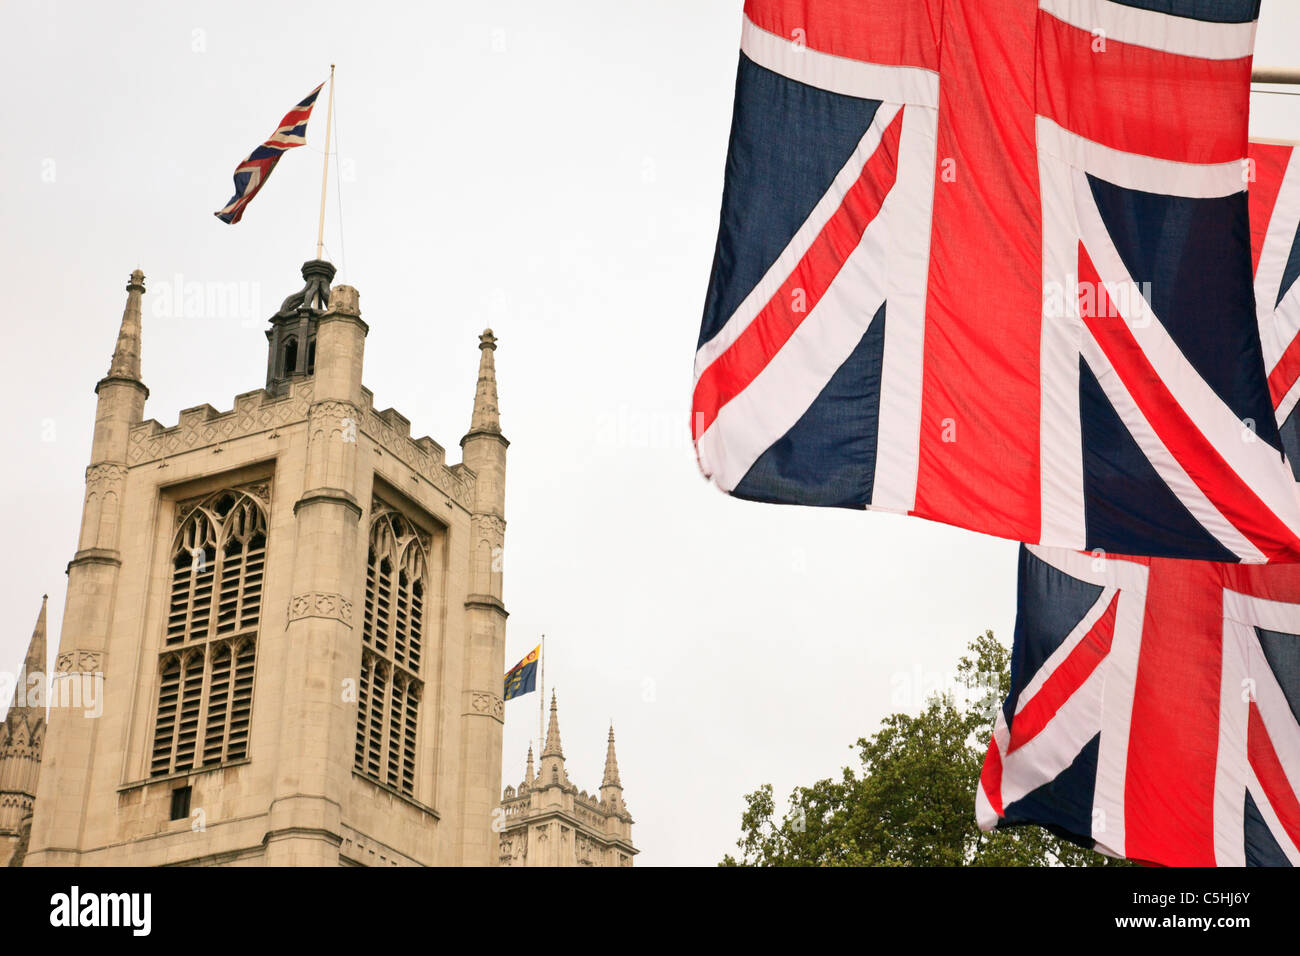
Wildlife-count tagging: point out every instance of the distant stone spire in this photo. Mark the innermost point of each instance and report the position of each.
(22, 737)
(553, 748)
(611, 763)
(126, 355)
(34, 708)
(528, 771)
(486, 418)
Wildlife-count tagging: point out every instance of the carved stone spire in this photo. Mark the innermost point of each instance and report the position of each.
(528, 771)
(22, 738)
(552, 773)
(487, 417)
(553, 748)
(126, 354)
(21, 705)
(611, 763)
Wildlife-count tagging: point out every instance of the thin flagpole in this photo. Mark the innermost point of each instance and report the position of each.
(325, 173)
(1283, 75)
(541, 704)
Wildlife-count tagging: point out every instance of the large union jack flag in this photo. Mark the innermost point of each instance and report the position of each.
(1153, 709)
(988, 262)
(1154, 703)
(251, 174)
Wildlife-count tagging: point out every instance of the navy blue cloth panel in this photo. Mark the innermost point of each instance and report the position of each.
(1291, 272)
(828, 458)
(1217, 11)
(1064, 803)
(1262, 848)
(1290, 432)
(1195, 253)
(1282, 651)
(1051, 605)
(775, 177)
(1116, 470)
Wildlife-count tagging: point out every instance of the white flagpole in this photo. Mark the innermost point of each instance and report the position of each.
(325, 173)
(541, 704)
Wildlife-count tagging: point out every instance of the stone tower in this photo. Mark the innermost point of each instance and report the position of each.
(550, 822)
(294, 611)
(21, 737)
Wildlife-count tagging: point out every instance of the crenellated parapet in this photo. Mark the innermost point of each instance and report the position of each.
(260, 412)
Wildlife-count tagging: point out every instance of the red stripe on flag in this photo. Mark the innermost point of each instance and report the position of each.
(1268, 168)
(991, 777)
(1272, 777)
(1225, 489)
(895, 33)
(733, 370)
(1065, 680)
(1173, 740)
(1132, 98)
(981, 389)
(1285, 372)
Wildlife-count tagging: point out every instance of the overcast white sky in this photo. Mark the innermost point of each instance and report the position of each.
(554, 171)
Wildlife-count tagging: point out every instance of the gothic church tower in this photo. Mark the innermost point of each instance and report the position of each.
(547, 821)
(294, 611)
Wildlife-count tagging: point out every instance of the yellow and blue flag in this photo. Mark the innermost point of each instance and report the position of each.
(522, 678)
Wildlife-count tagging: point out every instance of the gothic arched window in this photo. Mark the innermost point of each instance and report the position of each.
(205, 686)
(388, 699)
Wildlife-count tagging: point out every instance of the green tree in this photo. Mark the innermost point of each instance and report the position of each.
(912, 800)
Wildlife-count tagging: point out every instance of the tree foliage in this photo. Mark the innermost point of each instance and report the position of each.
(911, 802)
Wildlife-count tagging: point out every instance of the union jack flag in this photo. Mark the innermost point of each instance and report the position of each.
(1183, 675)
(1153, 709)
(251, 174)
(988, 262)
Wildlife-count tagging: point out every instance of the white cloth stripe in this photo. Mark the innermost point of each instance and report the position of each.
(1144, 173)
(898, 441)
(798, 245)
(837, 74)
(1109, 824)
(1154, 30)
(1279, 322)
(1257, 464)
(1231, 769)
(1060, 436)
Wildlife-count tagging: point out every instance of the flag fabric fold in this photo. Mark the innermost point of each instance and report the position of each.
(989, 262)
(252, 173)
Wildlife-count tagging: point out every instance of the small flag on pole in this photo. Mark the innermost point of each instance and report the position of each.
(253, 172)
(522, 678)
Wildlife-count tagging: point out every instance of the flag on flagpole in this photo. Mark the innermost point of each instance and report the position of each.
(251, 174)
(522, 678)
(987, 262)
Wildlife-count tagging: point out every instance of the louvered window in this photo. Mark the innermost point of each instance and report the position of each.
(205, 673)
(388, 698)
